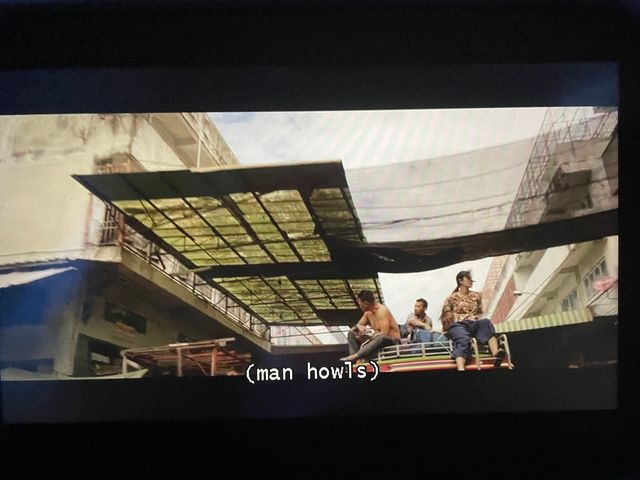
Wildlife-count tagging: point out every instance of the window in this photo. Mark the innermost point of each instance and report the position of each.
(570, 302)
(97, 357)
(600, 270)
(118, 315)
(113, 223)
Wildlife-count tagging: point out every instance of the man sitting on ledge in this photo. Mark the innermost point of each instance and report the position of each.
(419, 326)
(385, 330)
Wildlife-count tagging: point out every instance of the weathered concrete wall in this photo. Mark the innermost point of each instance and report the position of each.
(45, 214)
(150, 149)
(163, 320)
(577, 156)
(44, 210)
(136, 266)
(74, 303)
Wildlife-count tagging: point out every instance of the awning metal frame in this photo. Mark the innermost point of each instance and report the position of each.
(331, 177)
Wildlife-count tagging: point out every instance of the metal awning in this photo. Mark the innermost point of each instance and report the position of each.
(263, 235)
(15, 278)
(546, 321)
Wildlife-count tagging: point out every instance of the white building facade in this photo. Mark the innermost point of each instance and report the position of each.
(575, 175)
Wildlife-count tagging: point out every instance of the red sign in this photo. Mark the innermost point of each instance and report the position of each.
(605, 283)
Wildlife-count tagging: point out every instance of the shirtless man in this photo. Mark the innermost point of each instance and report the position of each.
(378, 317)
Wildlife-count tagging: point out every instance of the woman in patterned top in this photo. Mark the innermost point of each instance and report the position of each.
(462, 320)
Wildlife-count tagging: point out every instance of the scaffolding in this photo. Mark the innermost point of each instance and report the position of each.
(560, 126)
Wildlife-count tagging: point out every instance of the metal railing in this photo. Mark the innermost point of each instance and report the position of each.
(413, 350)
(151, 253)
(436, 350)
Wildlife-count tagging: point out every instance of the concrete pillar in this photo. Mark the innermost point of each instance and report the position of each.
(68, 313)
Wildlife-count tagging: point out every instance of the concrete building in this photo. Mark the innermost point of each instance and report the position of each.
(559, 305)
(574, 164)
(556, 280)
(77, 285)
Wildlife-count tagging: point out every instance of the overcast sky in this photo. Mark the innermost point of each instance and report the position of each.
(374, 138)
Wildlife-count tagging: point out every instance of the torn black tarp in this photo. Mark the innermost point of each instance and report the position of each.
(418, 256)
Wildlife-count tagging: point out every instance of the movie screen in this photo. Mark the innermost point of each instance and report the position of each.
(309, 246)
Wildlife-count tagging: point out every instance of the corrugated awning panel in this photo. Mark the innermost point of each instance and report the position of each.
(273, 217)
(336, 213)
(545, 321)
(247, 228)
(280, 300)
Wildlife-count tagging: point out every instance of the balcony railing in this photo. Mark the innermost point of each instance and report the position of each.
(115, 232)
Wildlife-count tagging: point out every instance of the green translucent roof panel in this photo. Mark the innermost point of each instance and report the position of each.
(258, 234)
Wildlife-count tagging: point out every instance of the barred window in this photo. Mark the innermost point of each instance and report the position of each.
(599, 271)
(570, 302)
